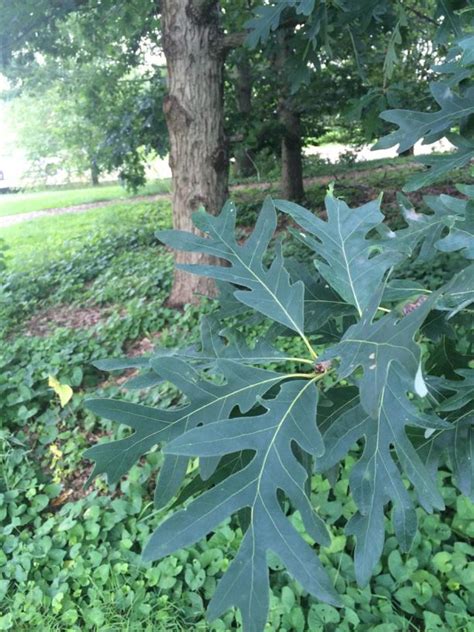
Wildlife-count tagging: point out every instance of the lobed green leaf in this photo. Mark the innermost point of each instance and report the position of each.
(352, 264)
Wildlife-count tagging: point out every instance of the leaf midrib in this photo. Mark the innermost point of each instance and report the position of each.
(203, 407)
(259, 280)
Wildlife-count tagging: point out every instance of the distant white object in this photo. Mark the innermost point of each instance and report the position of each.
(333, 151)
(158, 168)
(8, 181)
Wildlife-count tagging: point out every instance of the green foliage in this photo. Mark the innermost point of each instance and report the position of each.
(366, 372)
(269, 291)
(80, 571)
(96, 93)
(79, 566)
(318, 21)
(342, 239)
(89, 119)
(454, 119)
(70, 559)
(275, 468)
(35, 278)
(72, 575)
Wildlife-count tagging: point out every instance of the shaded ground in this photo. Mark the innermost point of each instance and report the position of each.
(345, 175)
(45, 322)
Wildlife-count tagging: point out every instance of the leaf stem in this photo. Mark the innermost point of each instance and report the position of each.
(310, 376)
(300, 360)
(306, 375)
(313, 353)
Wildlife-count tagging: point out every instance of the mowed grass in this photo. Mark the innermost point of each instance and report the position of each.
(48, 238)
(17, 203)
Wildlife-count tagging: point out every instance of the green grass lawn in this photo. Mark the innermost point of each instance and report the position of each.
(16, 203)
(38, 241)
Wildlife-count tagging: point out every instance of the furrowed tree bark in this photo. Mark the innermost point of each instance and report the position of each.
(291, 184)
(194, 110)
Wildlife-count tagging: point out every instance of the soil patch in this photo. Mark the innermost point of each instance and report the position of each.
(74, 483)
(46, 321)
(141, 347)
(136, 349)
(74, 488)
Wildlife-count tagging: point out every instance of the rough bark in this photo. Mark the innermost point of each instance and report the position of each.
(292, 187)
(244, 157)
(192, 43)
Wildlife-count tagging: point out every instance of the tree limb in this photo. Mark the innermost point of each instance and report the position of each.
(422, 16)
(233, 40)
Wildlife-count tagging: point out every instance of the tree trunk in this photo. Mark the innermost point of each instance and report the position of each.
(291, 184)
(244, 157)
(244, 163)
(94, 173)
(408, 152)
(194, 110)
(292, 187)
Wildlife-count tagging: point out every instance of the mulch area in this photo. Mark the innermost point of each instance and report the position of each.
(46, 321)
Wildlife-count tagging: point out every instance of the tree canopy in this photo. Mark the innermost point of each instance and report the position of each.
(345, 63)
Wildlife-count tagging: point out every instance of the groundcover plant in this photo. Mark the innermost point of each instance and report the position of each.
(347, 353)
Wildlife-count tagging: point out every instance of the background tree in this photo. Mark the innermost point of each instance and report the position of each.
(55, 138)
(242, 74)
(95, 122)
(451, 117)
(301, 40)
(194, 45)
(389, 45)
(194, 108)
(395, 68)
(196, 37)
(109, 89)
